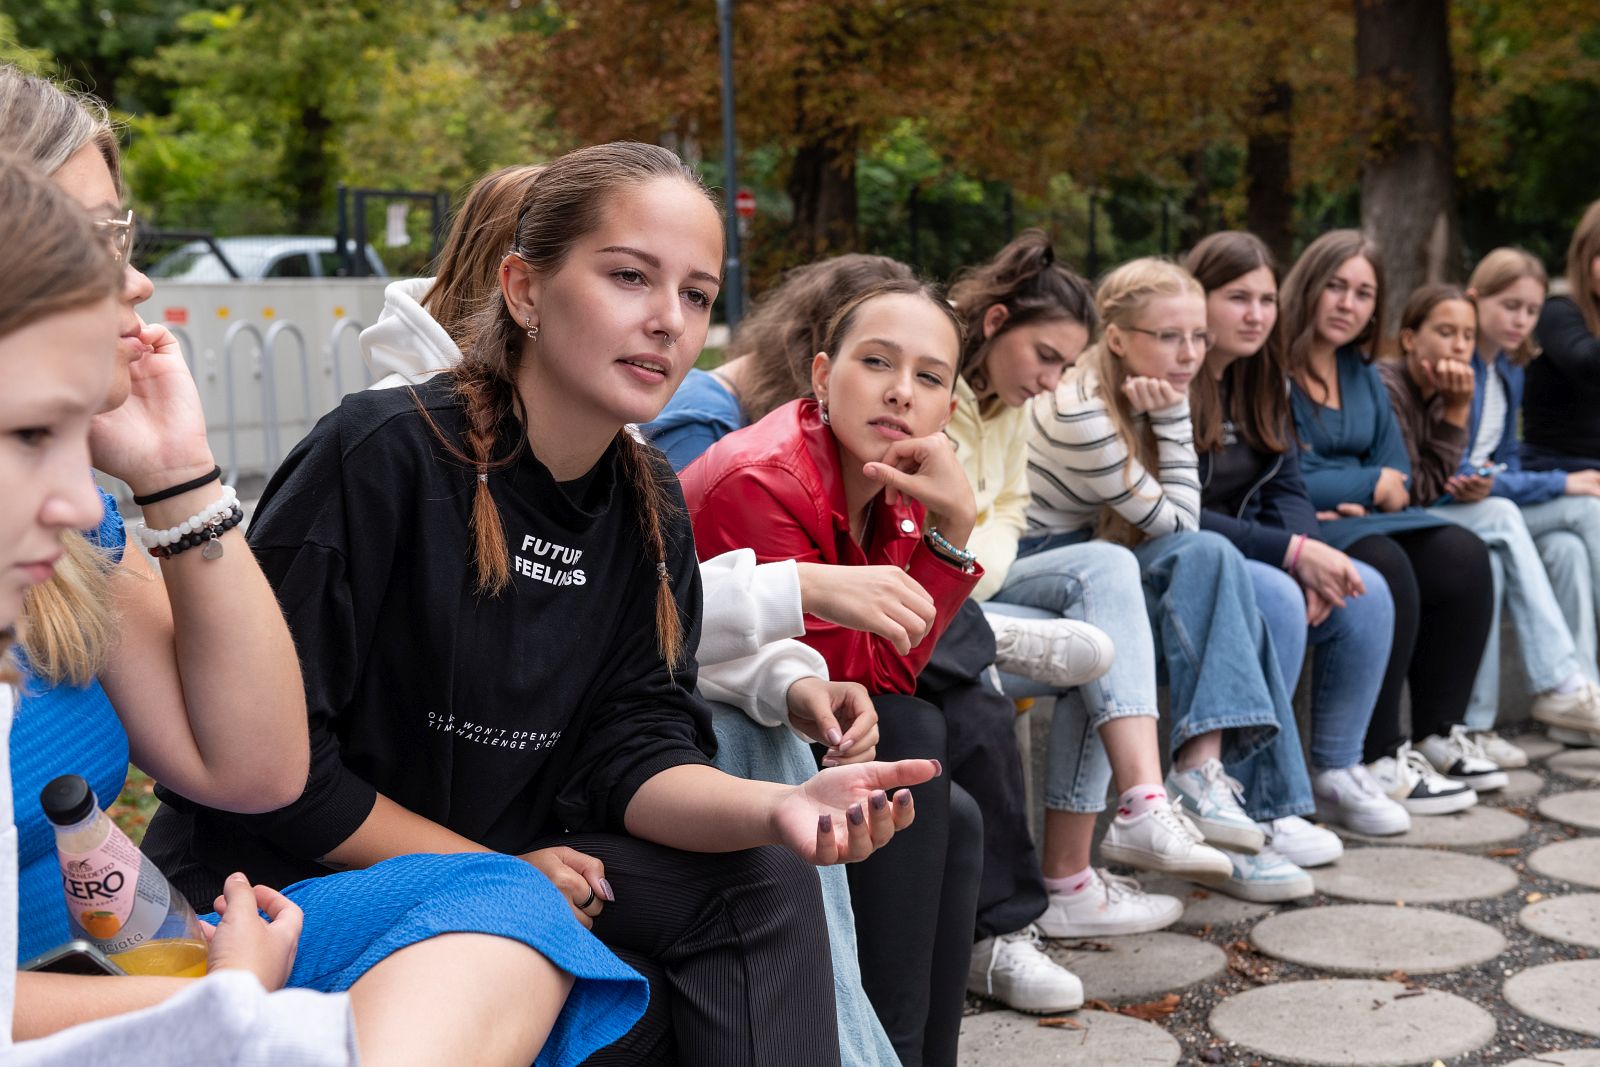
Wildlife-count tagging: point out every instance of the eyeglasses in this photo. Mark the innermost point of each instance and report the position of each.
(118, 234)
(1171, 340)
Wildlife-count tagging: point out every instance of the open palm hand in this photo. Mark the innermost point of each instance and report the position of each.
(843, 814)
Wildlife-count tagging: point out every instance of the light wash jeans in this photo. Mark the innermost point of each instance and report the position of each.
(1098, 583)
(1213, 651)
(746, 749)
(1352, 649)
(1523, 584)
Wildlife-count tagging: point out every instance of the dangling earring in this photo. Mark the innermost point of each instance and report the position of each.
(533, 331)
(825, 420)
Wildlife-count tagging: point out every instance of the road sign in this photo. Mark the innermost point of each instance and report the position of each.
(745, 204)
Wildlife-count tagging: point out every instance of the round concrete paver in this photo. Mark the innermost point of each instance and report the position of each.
(1563, 994)
(1337, 1021)
(1413, 875)
(1477, 827)
(1579, 763)
(1204, 907)
(1519, 784)
(1377, 939)
(1574, 919)
(1580, 809)
(1573, 1058)
(1538, 746)
(1576, 861)
(1099, 1038)
(1138, 966)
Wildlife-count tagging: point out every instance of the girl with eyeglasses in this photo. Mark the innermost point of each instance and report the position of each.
(1358, 475)
(1112, 456)
(1310, 593)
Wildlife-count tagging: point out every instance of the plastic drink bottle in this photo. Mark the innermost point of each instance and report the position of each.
(116, 898)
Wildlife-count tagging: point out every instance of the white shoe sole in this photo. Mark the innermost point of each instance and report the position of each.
(1231, 836)
(1441, 805)
(1372, 827)
(1482, 783)
(1511, 763)
(1584, 723)
(1196, 870)
(1036, 1007)
(1579, 738)
(1270, 892)
(1109, 929)
(1318, 857)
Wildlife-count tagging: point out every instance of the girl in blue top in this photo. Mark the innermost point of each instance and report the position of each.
(1357, 473)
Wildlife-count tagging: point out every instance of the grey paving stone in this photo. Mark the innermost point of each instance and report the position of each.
(1413, 875)
(1521, 783)
(1580, 809)
(1572, 1058)
(1576, 861)
(1104, 1038)
(1578, 763)
(1538, 746)
(1333, 1022)
(1204, 907)
(1477, 827)
(1377, 939)
(1573, 919)
(1565, 994)
(1138, 966)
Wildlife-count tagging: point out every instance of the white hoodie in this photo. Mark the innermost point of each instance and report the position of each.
(751, 611)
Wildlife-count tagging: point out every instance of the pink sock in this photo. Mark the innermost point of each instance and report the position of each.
(1072, 883)
(1140, 799)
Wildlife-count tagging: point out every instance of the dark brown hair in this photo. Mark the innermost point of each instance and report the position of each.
(1028, 281)
(480, 236)
(565, 201)
(1259, 384)
(1427, 297)
(844, 320)
(783, 333)
(1297, 298)
(1581, 253)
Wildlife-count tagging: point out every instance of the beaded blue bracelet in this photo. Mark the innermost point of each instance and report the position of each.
(960, 556)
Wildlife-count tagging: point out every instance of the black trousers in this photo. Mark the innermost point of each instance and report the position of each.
(1443, 591)
(914, 899)
(734, 946)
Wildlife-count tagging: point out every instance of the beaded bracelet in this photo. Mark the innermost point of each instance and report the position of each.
(153, 539)
(958, 556)
(206, 536)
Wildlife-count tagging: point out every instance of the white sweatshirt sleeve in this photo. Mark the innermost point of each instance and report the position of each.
(750, 612)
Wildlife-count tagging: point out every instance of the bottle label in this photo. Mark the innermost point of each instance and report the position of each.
(110, 901)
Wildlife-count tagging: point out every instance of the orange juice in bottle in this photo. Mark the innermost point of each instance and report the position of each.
(116, 898)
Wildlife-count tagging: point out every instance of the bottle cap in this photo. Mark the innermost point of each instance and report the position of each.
(67, 800)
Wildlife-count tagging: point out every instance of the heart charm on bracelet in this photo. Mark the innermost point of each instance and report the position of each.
(212, 549)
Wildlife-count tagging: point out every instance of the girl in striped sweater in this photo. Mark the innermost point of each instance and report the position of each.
(1111, 455)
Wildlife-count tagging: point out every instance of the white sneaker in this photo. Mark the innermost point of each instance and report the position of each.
(1351, 797)
(1577, 710)
(1301, 843)
(1458, 756)
(1014, 970)
(1212, 800)
(1109, 905)
(1576, 738)
(1163, 839)
(1501, 753)
(1058, 652)
(1266, 878)
(1409, 778)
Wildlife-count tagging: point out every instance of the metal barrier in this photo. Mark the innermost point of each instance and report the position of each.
(340, 328)
(269, 385)
(229, 341)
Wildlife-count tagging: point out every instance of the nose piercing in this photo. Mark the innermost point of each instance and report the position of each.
(667, 338)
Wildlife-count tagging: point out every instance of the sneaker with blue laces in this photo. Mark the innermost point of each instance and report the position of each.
(1213, 803)
(1266, 878)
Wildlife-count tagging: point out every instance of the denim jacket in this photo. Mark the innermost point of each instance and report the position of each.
(1515, 484)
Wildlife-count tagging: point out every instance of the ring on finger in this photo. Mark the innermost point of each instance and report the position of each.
(586, 903)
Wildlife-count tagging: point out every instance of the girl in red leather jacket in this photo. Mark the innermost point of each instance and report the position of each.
(863, 476)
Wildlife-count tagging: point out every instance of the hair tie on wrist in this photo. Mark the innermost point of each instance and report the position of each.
(179, 490)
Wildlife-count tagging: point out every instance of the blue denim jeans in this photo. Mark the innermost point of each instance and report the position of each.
(1097, 583)
(1352, 648)
(774, 754)
(1213, 651)
(1524, 589)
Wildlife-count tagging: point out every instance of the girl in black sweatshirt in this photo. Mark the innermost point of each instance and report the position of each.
(493, 589)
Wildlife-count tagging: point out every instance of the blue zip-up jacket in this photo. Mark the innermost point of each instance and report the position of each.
(1515, 484)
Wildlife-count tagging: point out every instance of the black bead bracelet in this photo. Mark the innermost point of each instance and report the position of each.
(221, 526)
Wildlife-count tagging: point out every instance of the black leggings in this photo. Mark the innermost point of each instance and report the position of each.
(735, 948)
(914, 900)
(1443, 602)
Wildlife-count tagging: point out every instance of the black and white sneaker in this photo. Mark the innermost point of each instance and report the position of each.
(1459, 756)
(1409, 778)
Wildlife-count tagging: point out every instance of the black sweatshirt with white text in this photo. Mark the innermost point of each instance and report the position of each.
(505, 718)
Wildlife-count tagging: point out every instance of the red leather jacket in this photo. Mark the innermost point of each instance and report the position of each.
(774, 487)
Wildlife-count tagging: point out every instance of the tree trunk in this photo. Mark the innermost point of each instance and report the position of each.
(1269, 173)
(308, 170)
(1407, 89)
(822, 186)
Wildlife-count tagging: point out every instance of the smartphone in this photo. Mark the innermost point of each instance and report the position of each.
(1493, 468)
(74, 957)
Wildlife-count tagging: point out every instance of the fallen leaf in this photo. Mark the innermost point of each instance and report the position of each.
(1199, 894)
(1534, 898)
(1504, 852)
(1099, 1005)
(1397, 976)
(1205, 931)
(1061, 1022)
(1151, 1011)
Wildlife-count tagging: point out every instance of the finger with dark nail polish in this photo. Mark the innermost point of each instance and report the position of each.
(880, 800)
(825, 823)
(855, 815)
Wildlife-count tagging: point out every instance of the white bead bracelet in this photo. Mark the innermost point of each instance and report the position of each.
(156, 538)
